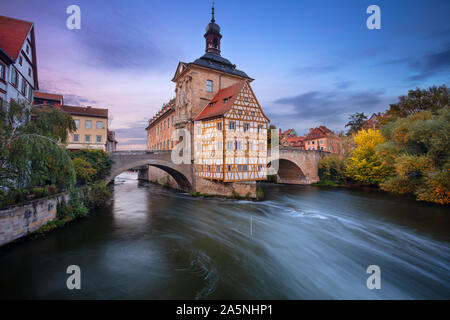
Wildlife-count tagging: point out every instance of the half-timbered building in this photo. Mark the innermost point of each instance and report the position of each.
(230, 137)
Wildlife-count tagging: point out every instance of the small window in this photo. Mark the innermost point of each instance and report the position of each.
(24, 87)
(238, 145)
(219, 146)
(239, 111)
(218, 169)
(76, 137)
(77, 123)
(321, 141)
(2, 71)
(229, 168)
(20, 60)
(229, 145)
(259, 128)
(88, 124)
(260, 167)
(14, 77)
(199, 147)
(199, 129)
(244, 168)
(99, 125)
(28, 49)
(246, 127)
(87, 138)
(219, 126)
(99, 139)
(232, 125)
(209, 86)
(29, 71)
(252, 113)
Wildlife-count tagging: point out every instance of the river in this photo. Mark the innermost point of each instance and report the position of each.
(301, 242)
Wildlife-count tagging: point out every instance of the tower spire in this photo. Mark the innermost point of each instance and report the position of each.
(212, 13)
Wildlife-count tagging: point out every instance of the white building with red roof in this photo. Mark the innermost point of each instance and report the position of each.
(18, 68)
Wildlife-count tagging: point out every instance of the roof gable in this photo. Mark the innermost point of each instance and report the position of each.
(222, 102)
(246, 106)
(13, 33)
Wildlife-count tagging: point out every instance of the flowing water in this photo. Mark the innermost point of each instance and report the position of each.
(302, 242)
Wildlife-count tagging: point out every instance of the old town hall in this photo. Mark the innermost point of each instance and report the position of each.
(216, 104)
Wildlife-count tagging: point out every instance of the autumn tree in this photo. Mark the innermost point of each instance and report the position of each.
(365, 165)
(418, 147)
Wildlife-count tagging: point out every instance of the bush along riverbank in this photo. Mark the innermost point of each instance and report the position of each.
(81, 201)
(90, 192)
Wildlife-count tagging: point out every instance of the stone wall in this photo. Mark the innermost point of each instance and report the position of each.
(161, 177)
(18, 221)
(226, 188)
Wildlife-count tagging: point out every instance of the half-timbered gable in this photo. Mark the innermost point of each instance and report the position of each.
(231, 136)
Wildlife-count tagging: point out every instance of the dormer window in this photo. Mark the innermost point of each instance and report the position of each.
(212, 104)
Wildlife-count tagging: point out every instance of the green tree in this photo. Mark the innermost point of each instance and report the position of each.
(356, 122)
(418, 148)
(98, 159)
(32, 151)
(332, 170)
(365, 165)
(84, 170)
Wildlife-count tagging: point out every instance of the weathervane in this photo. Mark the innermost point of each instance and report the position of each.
(213, 20)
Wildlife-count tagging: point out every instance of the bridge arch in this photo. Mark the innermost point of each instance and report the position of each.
(290, 173)
(297, 166)
(123, 161)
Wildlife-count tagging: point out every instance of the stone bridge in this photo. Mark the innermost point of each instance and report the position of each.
(125, 160)
(295, 166)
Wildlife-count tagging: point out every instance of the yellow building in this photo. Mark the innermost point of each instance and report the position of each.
(92, 128)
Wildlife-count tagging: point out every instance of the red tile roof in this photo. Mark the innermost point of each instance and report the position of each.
(218, 105)
(13, 33)
(86, 111)
(319, 132)
(48, 96)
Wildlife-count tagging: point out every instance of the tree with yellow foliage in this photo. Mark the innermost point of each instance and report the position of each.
(365, 165)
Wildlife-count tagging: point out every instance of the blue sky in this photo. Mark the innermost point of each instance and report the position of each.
(314, 62)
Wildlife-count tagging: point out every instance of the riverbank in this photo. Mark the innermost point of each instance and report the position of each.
(36, 218)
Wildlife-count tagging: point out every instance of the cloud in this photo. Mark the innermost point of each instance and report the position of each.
(317, 69)
(330, 108)
(132, 135)
(114, 40)
(76, 100)
(423, 67)
(343, 84)
(430, 64)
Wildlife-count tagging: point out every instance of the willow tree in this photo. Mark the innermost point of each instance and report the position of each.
(32, 143)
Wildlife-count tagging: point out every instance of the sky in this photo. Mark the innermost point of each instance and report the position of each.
(314, 62)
